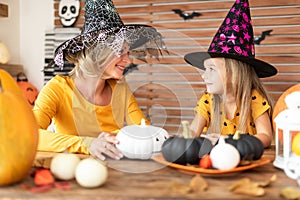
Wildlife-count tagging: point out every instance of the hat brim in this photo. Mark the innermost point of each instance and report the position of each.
(143, 38)
(261, 68)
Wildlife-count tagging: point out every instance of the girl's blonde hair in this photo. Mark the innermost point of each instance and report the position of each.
(91, 61)
(241, 79)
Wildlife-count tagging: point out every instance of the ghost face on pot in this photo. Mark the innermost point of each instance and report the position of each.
(68, 11)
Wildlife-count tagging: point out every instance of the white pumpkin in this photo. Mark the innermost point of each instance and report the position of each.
(91, 173)
(63, 166)
(4, 53)
(141, 141)
(224, 156)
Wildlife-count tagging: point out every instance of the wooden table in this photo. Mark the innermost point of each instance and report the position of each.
(130, 179)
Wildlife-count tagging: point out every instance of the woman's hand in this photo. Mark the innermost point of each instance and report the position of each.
(105, 144)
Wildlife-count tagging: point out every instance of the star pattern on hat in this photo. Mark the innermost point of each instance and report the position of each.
(235, 34)
(247, 36)
(225, 49)
(234, 39)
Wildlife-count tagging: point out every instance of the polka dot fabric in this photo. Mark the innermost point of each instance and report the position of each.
(259, 105)
(235, 35)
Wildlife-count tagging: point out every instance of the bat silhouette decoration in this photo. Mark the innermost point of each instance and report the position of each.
(130, 68)
(186, 16)
(257, 40)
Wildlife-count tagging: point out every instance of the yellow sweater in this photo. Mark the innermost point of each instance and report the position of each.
(76, 120)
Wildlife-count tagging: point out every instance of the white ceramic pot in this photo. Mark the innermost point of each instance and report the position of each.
(141, 141)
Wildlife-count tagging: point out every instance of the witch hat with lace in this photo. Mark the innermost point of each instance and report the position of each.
(234, 39)
(103, 25)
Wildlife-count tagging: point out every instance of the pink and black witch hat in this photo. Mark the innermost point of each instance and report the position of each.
(234, 39)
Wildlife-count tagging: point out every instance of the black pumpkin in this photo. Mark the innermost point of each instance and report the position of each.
(205, 146)
(185, 150)
(249, 146)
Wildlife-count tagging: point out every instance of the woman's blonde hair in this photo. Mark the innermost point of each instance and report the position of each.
(241, 79)
(91, 61)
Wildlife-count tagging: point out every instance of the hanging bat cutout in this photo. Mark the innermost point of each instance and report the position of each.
(186, 16)
(131, 67)
(257, 40)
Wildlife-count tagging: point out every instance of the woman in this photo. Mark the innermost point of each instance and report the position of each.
(235, 99)
(94, 102)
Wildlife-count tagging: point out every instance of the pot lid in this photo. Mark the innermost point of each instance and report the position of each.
(142, 131)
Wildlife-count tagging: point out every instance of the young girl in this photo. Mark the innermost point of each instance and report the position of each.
(235, 99)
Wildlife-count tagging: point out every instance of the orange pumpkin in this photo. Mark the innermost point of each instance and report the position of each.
(9, 83)
(18, 133)
(29, 91)
(280, 104)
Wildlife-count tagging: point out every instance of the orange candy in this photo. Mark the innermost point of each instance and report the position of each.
(205, 162)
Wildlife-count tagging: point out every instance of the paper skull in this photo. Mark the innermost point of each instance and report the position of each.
(68, 12)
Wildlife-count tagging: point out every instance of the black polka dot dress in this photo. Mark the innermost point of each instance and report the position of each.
(259, 105)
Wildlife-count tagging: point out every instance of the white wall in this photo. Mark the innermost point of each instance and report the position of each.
(23, 33)
(10, 30)
(36, 16)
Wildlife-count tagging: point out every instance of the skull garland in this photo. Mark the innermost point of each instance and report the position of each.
(68, 12)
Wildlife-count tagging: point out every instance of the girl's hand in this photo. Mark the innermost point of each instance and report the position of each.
(105, 144)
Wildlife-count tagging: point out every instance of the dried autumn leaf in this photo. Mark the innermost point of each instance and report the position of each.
(268, 182)
(198, 183)
(239, 183)
(37, 189)
(250, 189)
(181, 188)
(66, 185)
(43, 177)
(290, 193)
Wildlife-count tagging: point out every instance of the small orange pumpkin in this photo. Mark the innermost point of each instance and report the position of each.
(30, 92)
(280, 104)
(18, 133)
